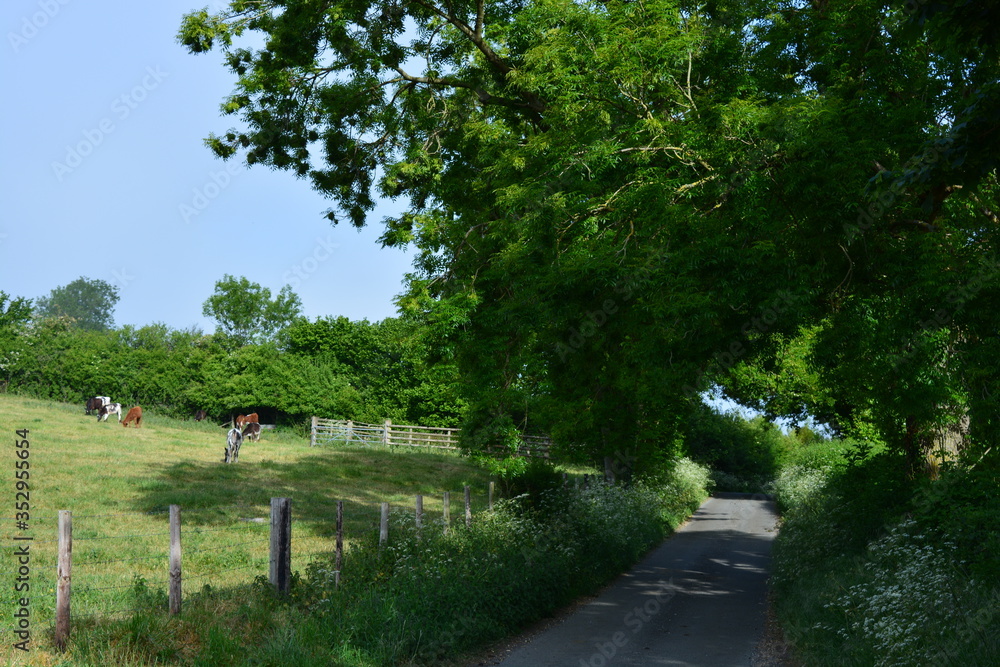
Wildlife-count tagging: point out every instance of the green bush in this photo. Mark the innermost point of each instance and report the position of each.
(743, 454)
(518, 476)
(428, 594)
(874, 568)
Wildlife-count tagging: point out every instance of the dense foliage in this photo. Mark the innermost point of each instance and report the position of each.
(244, 311)
(364, 371)
(90, 303)
(872, 568)
(619, 204)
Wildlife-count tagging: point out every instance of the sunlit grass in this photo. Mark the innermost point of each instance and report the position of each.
(119, 482)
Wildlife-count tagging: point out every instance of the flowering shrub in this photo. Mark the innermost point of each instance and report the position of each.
(873, 569)
(911, 606)
(798, 487)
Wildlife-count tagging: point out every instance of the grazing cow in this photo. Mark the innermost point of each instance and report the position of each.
(251, 431)
(110, 409)
(240, 421)
(134, 414)
(96, 403)
(233, 441)
(199, 415)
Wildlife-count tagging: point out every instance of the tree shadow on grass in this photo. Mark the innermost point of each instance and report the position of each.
(215, 493)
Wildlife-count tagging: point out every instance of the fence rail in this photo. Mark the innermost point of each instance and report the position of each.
(325, 431)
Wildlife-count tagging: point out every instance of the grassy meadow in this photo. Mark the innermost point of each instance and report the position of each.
(118, 483)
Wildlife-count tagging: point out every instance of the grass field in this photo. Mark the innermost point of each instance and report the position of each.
(118, 483)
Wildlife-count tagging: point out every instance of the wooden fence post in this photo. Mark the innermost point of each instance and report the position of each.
(420, 511)
(175, 559)
(492, 487)
(468, 506)
(383, 526)
(387, 433)
(64, 571)
(340, 543)
(281, 544)
(447, 511)
(312, 431)
(609, 470)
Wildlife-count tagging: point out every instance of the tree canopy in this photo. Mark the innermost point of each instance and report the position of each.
(620, 204)
(245, 313)
(91, 303)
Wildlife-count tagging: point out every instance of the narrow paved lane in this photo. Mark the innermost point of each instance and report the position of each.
(698, 599)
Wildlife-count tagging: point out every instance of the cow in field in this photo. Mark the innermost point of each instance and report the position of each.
(251, 431)
(134, 415)
(96, 403)
(199, 415)
(233, 441)
(243, 420)
(110, 409)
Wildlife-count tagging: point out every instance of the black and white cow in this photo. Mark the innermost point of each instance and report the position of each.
(96, 403)
(110, 409)
(233, 441)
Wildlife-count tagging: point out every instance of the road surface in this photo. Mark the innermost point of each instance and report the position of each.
(699, 599)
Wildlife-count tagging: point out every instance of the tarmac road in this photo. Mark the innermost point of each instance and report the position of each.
(699, 599)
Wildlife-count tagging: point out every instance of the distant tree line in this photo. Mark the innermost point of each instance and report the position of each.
(286, 367)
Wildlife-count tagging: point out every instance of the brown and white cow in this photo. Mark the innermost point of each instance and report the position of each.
(243, 420)
(134, 414)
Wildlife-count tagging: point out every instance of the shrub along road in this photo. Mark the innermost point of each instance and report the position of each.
(698, 599)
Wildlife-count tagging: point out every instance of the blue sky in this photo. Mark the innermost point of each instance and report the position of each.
(105, 175)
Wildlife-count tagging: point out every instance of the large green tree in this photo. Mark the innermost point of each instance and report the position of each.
(245, 313)
(618, 204)
(91, 303)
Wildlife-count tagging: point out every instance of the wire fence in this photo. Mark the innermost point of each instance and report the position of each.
(111, 564)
